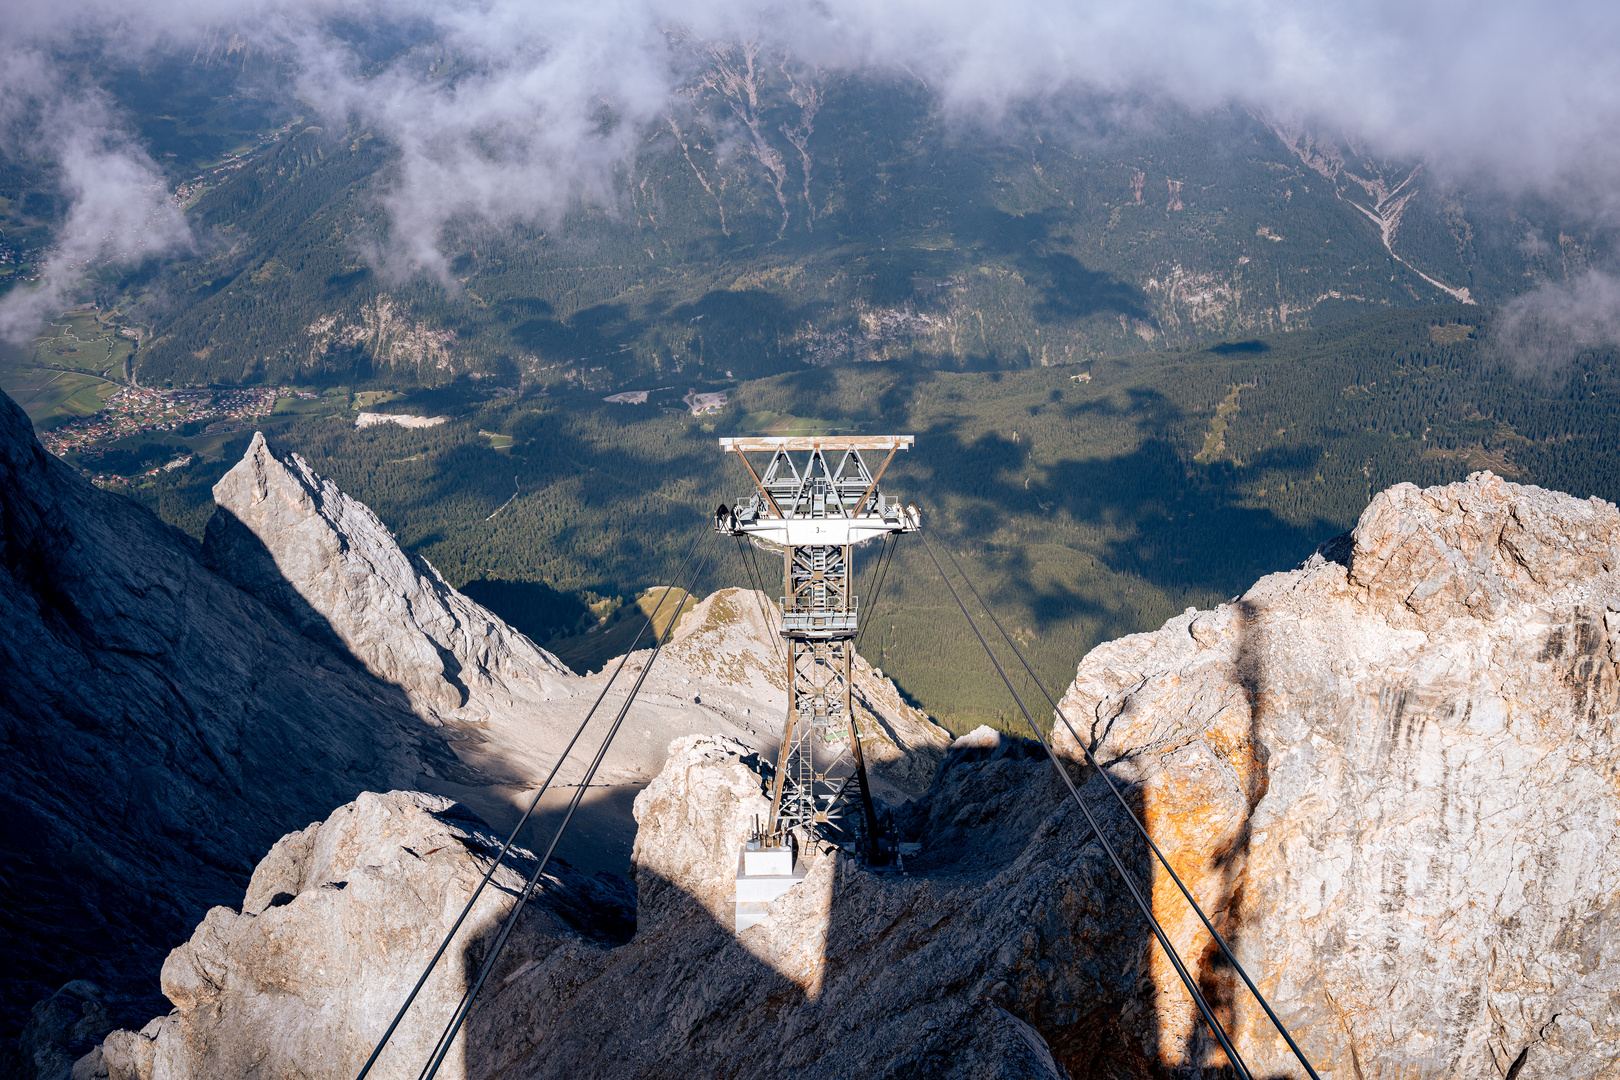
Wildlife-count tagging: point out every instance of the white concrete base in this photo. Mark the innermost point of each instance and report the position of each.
(762, 876)
(772, 862)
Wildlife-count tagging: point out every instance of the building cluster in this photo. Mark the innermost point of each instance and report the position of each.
(19, 260)
(107, 480)
(137, 409)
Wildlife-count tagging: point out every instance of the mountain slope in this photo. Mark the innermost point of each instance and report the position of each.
(161, 729)
(1387, 775)
(784, 217)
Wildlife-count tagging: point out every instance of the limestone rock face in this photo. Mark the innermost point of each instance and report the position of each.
(338, 923)
(1391, 773)
(688, 817)
(304, 977)
(159, 729)
(292, 538)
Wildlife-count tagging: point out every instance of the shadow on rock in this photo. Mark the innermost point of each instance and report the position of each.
(162, 728)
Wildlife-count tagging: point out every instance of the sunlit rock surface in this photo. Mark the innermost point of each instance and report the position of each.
(337, 925)
(847, 973)
(1392, 775)
(293, 539)
(1387, 775)
(732, 639)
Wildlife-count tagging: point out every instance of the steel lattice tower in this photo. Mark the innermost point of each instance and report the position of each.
(817, 509)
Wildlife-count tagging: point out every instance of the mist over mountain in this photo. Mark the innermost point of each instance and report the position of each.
(1473, 145)
(461, 209)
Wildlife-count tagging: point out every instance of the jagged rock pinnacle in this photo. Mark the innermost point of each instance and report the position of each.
(292, 538)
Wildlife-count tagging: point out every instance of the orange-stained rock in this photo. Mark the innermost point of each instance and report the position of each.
(1389, 779)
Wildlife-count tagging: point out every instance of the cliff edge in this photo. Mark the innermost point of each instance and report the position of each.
(159, 729)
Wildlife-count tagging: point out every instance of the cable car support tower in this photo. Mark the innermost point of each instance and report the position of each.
(816, 499)
(816, 507)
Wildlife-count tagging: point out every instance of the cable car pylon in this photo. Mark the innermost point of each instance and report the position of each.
(816, 499)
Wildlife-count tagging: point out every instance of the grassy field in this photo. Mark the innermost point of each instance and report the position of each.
(70, 370)
(51, 395)
(85, 340)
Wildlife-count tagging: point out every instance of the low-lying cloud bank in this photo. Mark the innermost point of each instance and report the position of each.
(1542, 331)
(507, 110)
(119, 209)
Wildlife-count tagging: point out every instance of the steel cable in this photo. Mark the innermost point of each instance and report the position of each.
(1113, 856)
(1226, 949)
(883, 549)
(757, 587)
(511, 839)
(459, 1017)
(881, 571)
(759, 572)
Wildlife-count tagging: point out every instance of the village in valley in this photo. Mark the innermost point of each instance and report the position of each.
(136, 410)
(77, 385)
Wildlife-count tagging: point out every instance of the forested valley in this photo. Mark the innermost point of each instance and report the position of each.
(1088, 502)
(1147, 359)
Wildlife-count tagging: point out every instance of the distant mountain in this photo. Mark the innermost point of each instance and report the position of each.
(780, 218)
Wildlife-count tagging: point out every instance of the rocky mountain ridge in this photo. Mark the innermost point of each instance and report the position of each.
(829, 219)
(1387, 775)
(290, 537)
(146, 714)
(1392, 769)
(253, 969)
(170, 710)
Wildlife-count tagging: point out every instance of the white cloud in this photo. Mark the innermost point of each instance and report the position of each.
(119, 206)
(507, 115)
(505, 118)
(1546, 328)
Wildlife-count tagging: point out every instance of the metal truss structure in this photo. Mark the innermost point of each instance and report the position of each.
(817, 500)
